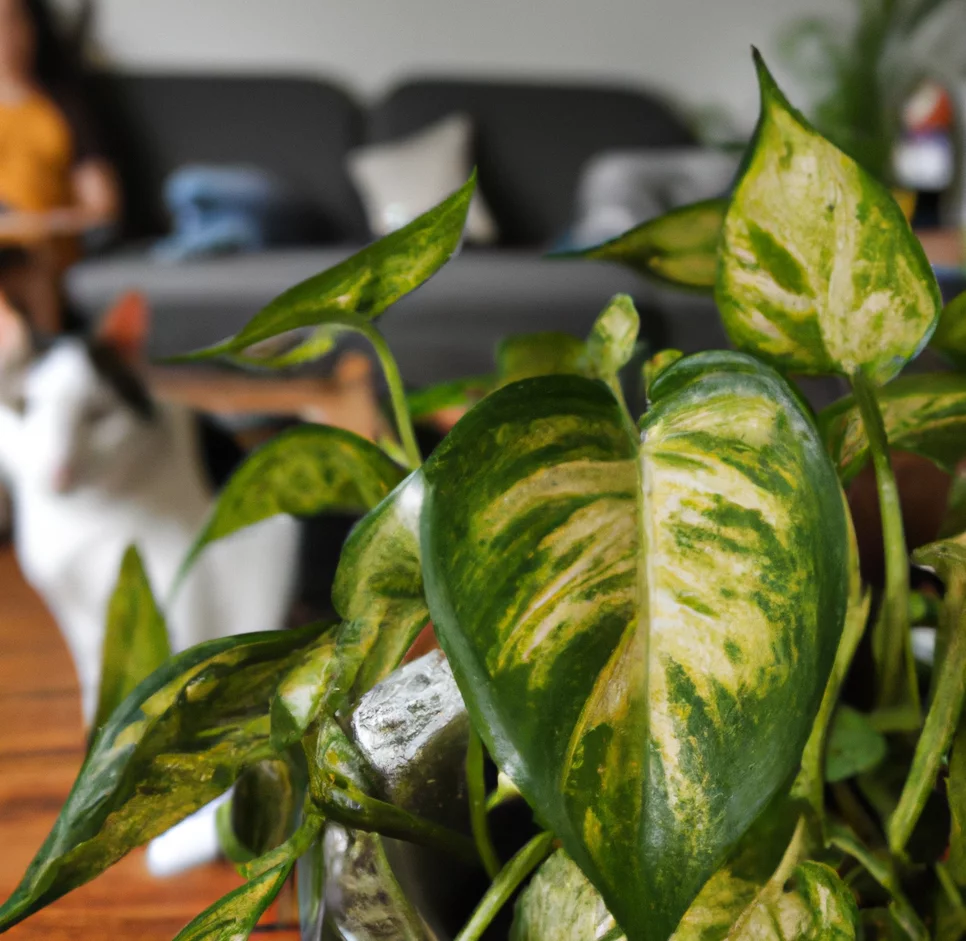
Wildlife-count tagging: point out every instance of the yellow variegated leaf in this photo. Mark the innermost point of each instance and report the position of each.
(641, 624)
(678, 248)
(922, 414)
(819, 270)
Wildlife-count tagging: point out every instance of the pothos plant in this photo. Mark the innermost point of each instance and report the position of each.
(647, 622)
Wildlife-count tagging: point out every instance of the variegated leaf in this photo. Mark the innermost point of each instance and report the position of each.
(641, 625)
(136, 641)
(560, 904)
(657, 364)
(817, 907)
(612, 340)
(460, 393)
(301, 472)
(820, 272)
(299, 696)
(950, 335)
(679, 248)
(365, 284)
(378, 590)
(177, 742)
(233, 918)
(924, 414)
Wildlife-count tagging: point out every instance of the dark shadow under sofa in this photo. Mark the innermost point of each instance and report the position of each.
(532, 140)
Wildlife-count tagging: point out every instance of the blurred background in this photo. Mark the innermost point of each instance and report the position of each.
(206, 155)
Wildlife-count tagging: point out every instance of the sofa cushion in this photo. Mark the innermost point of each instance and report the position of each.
(298, 129)
(532, 140)
(401, 179)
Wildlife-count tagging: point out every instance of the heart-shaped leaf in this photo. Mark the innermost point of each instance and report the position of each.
(177, 742)
(136, 639)
(924, 414)
(364, 285)
(679, 248)
(233, 918)
(820, 272)
(950, 335)
(642, 625)
(560, 904)
(301, 472)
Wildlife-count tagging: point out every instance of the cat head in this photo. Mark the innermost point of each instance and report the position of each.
(85, 417)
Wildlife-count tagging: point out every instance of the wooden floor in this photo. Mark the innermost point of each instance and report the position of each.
(41, 747)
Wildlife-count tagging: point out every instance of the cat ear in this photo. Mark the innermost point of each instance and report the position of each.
(15, 342)
(125, 326)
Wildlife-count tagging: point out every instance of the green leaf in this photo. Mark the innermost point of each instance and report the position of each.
(612, 339)
(302, 472)
(820, 272)
(560, 904)
(679, 248)
(539, 354)
(817, 907)
(299, 696)
(923, 414)
(263, 806)
(136, 639)
(950, 335)
(378, 590)
(234, 917)
(461, 393)
(178, 741)
(641, 625)
(367, 283)
(854, 746)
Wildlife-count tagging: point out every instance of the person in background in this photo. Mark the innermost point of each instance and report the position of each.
(55, 181)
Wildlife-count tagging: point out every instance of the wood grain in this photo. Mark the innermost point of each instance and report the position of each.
(41, 748)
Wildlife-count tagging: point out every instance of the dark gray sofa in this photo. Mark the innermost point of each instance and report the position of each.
(532, 141)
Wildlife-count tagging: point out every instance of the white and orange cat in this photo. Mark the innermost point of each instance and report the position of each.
(94, 465)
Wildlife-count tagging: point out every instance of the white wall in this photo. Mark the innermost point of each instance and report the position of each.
(696, 50)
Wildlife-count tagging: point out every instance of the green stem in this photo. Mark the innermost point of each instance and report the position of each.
(476, 787)
(949, 886)
(937, 734)
(891, 641)
(397, 394)
(505, 791)
(505, 884)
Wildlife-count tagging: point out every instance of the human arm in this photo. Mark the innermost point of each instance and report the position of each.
(95, 202)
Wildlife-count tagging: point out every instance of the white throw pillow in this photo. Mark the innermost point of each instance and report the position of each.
(401, 179)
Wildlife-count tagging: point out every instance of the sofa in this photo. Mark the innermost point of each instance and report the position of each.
(532, 140)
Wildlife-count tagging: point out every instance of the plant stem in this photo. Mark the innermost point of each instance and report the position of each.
(891, 641)
(476, 787)
(505, 884)
(937, 732)
(505, 791)
(397, 393)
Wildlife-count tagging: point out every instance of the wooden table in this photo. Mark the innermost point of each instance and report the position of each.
(41, 748)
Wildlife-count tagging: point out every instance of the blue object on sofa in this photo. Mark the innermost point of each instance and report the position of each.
(218, 210)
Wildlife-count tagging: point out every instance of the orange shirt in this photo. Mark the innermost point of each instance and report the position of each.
(36, 154)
